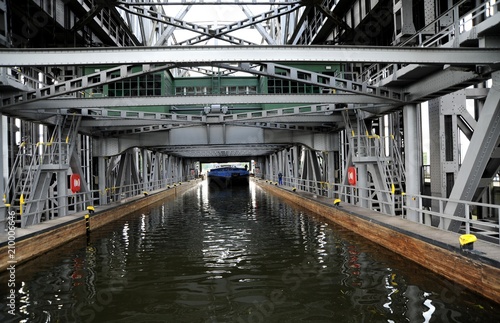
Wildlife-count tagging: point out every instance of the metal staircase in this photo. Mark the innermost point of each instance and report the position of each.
(34, 169)
(386, 183)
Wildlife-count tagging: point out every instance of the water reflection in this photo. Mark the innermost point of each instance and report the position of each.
(234, 255)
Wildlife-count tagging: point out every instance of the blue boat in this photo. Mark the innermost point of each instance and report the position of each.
(226, 176)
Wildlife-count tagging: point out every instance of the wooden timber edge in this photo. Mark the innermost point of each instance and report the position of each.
(467, 270)
(39, 242)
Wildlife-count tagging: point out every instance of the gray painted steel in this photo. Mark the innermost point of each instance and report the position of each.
(234, 54)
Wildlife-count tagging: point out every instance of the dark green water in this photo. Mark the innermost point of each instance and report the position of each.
(235, 255)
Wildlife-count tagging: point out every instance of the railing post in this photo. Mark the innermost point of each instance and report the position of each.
(467, 217)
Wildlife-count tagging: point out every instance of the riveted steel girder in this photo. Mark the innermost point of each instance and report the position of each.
(205, 140)
(113, 102)
(235, 54)
(223, 31)
(105, 121)
(206, 2)
(483, 144)
(206, 32)
(443, 82)
(321, 80)
(110, 75)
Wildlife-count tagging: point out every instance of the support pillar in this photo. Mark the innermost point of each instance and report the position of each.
(330, 173)
(483, 143)
(403, 20)
(145, 173)
(295, 162)
(413, 157)
(101, 178)
(62, 189)
(362, 184)
(444, 148)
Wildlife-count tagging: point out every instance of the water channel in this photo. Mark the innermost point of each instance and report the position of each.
(233, 255)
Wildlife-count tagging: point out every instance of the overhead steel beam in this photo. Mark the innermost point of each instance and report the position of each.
(443, 82)
(206, 136)
(251, 21)
(320, 80)
(124, 72)
(314, 118)
(256, 53)
(162, 18)
(79, 84)
(205, 3)
(167, 101)
(206, 32)
(288, 123)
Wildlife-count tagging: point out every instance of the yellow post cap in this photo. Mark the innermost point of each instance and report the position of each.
(466, 239)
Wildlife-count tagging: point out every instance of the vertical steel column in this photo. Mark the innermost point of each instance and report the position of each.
(168, 169)
(120, 177)
(145, 167)
(179, 163)
(330, 172)
(288, 173)
(261, 165)
(403, 20)
(269, 167)
(429, 15)
(163, 170)
(413, 156)
(295, 162)
(483, 143)
(175, 169)
(62, 189)
(444, 148)
(362, 184)
(280, 164)
(101, 178)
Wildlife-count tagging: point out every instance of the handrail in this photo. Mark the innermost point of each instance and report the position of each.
(456, 28)
(354, 195)
(433, 22)
(10, 181)
(91, 198)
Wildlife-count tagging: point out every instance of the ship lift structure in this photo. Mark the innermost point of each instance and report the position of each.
(389, 105)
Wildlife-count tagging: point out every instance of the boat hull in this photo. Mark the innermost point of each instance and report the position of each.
(228, 177)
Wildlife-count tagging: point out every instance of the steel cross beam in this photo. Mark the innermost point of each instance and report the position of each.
(206, 55)
(259, 27)
(303, 118)
(321, 80)
(178, 23)
(119, 73)
(169, 31)
(218, 32)
(201, 100)
(205, 2)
